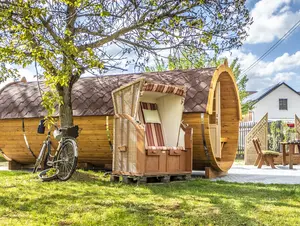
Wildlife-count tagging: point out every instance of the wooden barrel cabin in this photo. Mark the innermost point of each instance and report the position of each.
(211, 108)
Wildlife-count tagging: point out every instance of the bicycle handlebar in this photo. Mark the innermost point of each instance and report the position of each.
(72, 131)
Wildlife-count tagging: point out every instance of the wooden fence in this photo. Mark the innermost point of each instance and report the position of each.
(245, 128)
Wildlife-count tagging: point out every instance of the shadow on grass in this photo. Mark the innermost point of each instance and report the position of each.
(82, 176)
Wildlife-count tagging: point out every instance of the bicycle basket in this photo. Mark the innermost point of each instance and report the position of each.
(53, 176)
(73, 131)
(41, 127)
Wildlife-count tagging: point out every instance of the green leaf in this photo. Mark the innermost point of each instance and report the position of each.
(105, 13)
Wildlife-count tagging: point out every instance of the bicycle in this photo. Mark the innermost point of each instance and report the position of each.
(64, 160)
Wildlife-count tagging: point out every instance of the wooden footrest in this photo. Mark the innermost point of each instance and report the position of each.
(211, 173)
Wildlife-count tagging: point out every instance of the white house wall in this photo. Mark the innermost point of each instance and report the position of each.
(270, 104)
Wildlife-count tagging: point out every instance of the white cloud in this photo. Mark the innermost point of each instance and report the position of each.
(265, 68)
(283, 77)
(284, 62)
(272, 19)
(284, 9)
(266, 73)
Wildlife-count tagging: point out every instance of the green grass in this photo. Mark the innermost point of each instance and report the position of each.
(90, 199)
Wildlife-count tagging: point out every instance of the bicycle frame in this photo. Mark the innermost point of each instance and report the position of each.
(56, 160)
(46, 146)
(48, 142)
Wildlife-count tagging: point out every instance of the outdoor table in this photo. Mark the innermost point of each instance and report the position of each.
(291, 145)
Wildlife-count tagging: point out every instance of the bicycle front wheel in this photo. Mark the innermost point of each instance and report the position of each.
(66, 159)
(39, 159)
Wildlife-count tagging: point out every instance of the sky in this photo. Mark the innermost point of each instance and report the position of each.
(272, 19)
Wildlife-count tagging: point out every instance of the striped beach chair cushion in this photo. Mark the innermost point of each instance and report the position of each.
(154, 134)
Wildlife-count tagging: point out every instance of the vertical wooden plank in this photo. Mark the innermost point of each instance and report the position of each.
(218, 122)
(189, 151)
(137, 98)
(291, 153)
(283, 154)
(140, 151)
(297, 128)
(260, 130)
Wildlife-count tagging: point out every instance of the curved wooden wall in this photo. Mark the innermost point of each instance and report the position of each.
(93, 143)
(94, 147)
(230, 117)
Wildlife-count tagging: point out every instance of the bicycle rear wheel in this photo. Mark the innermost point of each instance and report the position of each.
(66, 159)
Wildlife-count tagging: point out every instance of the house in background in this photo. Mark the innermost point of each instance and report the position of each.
(280, 101)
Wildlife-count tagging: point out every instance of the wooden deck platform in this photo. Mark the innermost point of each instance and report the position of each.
(149, 179)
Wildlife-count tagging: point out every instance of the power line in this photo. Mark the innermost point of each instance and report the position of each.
(287, 34)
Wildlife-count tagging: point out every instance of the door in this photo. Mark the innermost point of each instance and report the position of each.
(215, 127)
(218, 121)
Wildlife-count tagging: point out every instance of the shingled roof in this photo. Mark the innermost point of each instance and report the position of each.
(91, 96)
(257, 96)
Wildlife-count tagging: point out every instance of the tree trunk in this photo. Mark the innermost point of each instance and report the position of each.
(65, 109)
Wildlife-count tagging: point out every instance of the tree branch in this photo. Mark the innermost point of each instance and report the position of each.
(139, 24)
(46, 24)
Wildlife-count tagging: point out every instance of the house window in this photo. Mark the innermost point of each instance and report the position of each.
(283, 105)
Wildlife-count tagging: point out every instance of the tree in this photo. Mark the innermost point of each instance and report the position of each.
(67, 38)
(188, 60)
(194, 59)
(241, 81)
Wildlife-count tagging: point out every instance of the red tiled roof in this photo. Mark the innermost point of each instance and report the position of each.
(91, 96)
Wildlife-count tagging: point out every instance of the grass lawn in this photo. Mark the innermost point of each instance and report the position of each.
(90, 199)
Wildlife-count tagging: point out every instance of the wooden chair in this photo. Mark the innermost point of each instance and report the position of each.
(264, 156)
